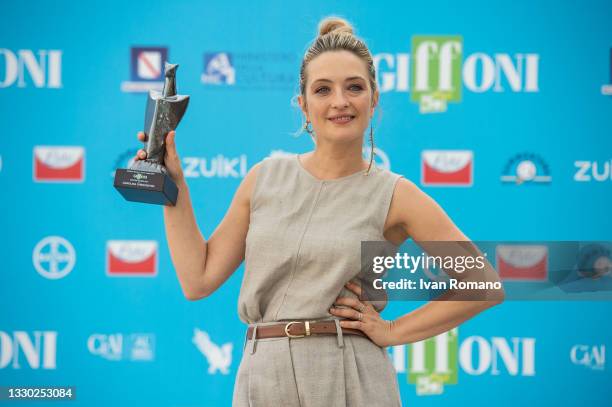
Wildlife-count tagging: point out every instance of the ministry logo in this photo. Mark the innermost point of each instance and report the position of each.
(218, 69)
(249, 70)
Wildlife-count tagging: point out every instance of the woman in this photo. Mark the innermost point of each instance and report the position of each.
(298, 222)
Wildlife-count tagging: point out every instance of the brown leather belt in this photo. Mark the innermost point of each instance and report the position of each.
(299, 329)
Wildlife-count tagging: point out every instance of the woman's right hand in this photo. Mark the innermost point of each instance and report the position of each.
(172, 161)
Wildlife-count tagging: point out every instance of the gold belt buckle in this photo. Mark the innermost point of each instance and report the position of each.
(306, 324)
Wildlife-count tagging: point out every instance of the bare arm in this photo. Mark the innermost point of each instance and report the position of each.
(414, 214)
(203, 266)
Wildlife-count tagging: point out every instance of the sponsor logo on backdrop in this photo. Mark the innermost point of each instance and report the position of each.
(36, 350)
(42, 67)
(53, 257)
(215, 167)
(218, 69)
(447, 167)
(526, 168)
(219, 357)
(589, 171)
(118, 346)
(433, 363)
(124, 160)
(131, 258)
(607, 89)
(515, 356)
(146, 69)
(591, 356)
(435, 72)
(522, 262)
(594, 262)
(250, 70)
(59, 164)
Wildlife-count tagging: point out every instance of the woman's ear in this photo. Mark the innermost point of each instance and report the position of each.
(302, 104)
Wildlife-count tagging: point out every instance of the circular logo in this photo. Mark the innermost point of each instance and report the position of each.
(53, 257)
(594, 261)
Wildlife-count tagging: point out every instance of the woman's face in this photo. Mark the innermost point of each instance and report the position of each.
(339, 100)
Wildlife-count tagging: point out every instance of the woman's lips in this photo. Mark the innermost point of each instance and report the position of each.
(341, 119)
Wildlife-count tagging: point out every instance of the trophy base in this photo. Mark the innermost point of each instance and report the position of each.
(144, 186)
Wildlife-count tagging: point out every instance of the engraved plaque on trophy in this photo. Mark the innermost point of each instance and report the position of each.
(148, 180)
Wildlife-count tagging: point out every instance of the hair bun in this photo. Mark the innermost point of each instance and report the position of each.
(334, 24)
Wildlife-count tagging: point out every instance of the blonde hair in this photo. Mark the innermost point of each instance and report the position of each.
(336, 34)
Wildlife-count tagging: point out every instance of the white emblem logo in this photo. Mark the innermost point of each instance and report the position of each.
(53, 257)
(218, 357)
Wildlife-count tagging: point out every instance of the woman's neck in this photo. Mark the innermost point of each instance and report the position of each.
(334, 163)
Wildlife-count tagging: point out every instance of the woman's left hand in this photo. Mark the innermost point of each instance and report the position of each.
(365, 318)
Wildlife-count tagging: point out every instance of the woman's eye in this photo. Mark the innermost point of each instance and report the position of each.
(356, 87)
(322, 89)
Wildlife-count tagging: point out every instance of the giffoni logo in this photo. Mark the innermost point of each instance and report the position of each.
(436, 75)
(433, 363)
(437, 69)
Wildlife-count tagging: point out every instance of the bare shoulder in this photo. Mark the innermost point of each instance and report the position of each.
(414, 214)
(247, 186)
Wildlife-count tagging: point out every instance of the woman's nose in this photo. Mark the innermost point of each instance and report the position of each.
(340, 101)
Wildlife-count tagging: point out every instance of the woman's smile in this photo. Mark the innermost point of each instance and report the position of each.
(341, 119)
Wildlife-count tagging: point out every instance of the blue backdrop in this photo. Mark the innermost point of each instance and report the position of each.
(500, 111)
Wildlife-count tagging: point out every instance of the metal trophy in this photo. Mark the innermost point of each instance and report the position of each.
(148, 180)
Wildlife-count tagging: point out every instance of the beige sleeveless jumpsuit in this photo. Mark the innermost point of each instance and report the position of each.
(302, 246)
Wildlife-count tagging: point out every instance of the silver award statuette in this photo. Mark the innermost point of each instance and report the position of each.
(148, 180)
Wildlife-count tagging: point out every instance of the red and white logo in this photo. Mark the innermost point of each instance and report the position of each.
(447, 167)
(149, 64)
(59, 164)
(522, 262)
(131, 258)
